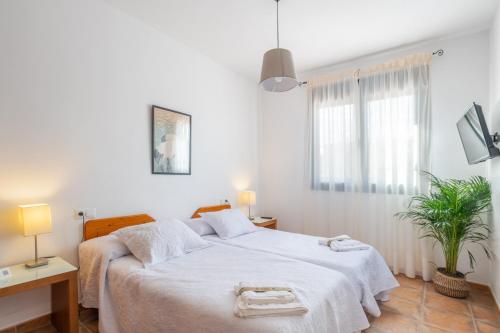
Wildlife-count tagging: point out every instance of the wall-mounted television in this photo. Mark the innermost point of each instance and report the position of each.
(478, 144)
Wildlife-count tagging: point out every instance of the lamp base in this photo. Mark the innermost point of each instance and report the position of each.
(37, 263)
(251, 218)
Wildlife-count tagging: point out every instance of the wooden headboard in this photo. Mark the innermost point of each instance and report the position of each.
(103, 227)
(196, 214)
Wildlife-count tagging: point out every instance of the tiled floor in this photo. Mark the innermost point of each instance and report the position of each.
(415, 307)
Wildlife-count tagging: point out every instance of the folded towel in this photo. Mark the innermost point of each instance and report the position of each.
(262, 310)
(267, 297)
(347, 245)
(327, 241)
(260, 286)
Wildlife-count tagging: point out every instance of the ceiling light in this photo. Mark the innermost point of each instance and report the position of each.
(278, 72)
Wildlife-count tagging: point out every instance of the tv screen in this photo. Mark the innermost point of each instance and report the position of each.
(476, 139)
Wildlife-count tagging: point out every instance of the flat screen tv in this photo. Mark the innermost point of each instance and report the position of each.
(477, 141)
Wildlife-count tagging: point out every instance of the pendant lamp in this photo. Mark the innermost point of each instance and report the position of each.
(278, 71)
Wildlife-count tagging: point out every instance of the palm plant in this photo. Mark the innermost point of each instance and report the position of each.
(451, 215)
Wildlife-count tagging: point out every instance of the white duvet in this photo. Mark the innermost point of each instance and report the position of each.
(366, 269)
(195, 293)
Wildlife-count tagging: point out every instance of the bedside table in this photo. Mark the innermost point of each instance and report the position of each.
(62, 277)
(266, 223)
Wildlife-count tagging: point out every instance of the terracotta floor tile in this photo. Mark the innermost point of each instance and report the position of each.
(391, 322)
(449, 320)
(480, 298)
(487, 314)
(432, 329)
(486, 328)
(402, 306)
(441, 302)
(409, 294)
(93, 326)
(430, 288)
(83, 329)
(410, 283)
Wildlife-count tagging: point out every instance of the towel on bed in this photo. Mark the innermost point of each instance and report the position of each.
(267, 297)
(327, 241)
(257, 299)
(261, 286)
(262, 310)
(348, 245)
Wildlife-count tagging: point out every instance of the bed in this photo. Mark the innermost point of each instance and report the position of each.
(195, 292)
(367, 270)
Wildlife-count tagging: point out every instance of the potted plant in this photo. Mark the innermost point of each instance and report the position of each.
(451, 215)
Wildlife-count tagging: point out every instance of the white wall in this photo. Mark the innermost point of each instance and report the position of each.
(458, 78)
(77, 81)
(495, 163)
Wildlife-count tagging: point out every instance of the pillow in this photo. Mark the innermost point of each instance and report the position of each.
(157, 242)
(200, 226)
(229, 223)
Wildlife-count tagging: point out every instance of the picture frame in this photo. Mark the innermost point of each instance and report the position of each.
(171, 142)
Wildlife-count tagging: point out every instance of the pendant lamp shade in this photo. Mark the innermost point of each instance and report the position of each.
(278, 71)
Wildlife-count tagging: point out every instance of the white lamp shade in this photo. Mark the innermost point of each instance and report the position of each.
(278, 71)
(36, 219)
(247, 198)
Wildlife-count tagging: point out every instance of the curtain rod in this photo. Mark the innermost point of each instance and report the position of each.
(439, 53)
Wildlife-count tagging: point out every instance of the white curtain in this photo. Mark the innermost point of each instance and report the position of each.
(369, 140)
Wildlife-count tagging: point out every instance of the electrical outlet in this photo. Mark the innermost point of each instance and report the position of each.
(89, 213)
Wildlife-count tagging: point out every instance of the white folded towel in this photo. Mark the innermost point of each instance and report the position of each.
(327, 241)
(347, 245)
(243, 310)
(267, 297)
(260, 286)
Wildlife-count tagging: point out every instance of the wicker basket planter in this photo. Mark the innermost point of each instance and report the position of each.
(453, 286)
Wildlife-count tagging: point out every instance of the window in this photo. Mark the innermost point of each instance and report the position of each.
(373, 136)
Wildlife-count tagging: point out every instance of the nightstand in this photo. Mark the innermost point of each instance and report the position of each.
(62, 277)
(271, 223)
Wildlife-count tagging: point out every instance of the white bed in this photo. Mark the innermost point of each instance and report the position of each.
(195, 292)
(366, 269)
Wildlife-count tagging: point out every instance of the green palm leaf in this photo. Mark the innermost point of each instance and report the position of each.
(451, 215)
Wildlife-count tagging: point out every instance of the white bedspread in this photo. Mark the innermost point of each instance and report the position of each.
(195, 293)
(366, 269)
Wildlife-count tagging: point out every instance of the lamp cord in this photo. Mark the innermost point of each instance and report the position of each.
(278, 23)
(83, 227)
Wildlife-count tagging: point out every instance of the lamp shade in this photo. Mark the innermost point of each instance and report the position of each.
(247, 198)
(278, 71)
(36, 219)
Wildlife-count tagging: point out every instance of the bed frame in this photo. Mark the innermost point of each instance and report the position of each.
(102, 227)
(207, 209)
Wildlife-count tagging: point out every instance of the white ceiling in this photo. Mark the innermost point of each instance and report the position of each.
(236, 33)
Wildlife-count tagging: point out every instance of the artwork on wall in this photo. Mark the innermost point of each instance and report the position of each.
(171, 142)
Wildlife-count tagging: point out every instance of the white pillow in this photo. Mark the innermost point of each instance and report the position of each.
(200, 226)
(229, 223)
(157, 242)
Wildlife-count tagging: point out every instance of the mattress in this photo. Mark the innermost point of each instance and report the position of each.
(366, 270)
(195, 293)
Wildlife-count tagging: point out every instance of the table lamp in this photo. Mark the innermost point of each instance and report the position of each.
(36, 220)
(248, 198)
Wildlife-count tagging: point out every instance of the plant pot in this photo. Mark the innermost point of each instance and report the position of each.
(451, 285)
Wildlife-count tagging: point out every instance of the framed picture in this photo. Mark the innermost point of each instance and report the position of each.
(171, 142)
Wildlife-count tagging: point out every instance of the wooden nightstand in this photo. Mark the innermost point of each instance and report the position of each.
(271, 223)
(62, 277)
